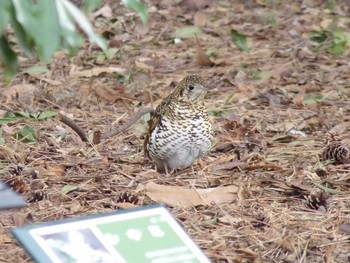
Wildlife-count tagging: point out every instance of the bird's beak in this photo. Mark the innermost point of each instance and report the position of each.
(200, 91)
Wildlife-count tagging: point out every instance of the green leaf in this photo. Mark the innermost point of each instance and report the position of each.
(40, 21)
(139, 7)
(319, 36)
(313, 99)
(69, 188)
(14, 116)
(37, 69)
(19, 114)
(261, 75)
(91, 5)
(5, 7)
(26, 135)
(46, 114)
(2, 140)
(24, 40)
(340, 37)
(71, 39)
(334, 41)
(66, 11)
(8, 58)
(239, 40)
(188, 32)
(111, 53)
(338, 49)
(7, 120)
(330, 5)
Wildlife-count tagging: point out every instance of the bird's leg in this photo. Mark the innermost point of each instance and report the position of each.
(166, 170)
(192, 170)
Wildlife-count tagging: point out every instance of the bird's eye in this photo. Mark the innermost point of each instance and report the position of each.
(190, 87)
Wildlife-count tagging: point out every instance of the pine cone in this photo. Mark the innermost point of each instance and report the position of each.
(17, 183)
(36, 196)
(337, 152)
(127, 197)
(317, 200)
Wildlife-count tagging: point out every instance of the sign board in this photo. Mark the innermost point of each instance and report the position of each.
(9, 198)
(149, 234)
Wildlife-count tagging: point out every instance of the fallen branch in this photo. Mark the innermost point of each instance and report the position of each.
(75, 127)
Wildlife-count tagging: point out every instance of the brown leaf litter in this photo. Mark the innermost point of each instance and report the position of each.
(261, 195)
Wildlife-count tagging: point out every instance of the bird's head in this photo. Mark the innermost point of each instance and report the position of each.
(192, 88)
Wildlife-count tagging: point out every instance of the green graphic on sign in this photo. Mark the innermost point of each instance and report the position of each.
(147, 239)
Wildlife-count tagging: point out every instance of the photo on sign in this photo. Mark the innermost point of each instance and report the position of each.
(76, 246)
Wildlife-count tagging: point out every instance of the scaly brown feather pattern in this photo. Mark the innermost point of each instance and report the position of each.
(179, 130)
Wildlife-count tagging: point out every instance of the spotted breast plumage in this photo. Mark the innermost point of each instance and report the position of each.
(179, 131)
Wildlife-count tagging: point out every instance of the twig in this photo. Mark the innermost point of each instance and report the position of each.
(127, 125)
(75, 127)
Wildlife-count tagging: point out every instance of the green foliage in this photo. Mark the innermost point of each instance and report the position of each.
(2, 142)
(239, 40)
(7, 57)
(313, 99)
(12, 117)
(268, 18)
(256, 74)
(139, 7)
(332, 39)
(26, 135)
(187, 32)
(330, 4)
(42, 27)
(91, 5)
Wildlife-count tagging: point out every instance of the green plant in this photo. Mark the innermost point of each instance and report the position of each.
(43, 26)
(332, 39)
(239, 40)
(14, 116)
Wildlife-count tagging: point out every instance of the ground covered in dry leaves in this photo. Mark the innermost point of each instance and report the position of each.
(274, 109)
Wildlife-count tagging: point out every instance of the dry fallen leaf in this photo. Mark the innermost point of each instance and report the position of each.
(345, 228)
(88, 73)
(202, 58)
(24, 93)
(183, 197)
(200, 19)
(20, 219)
(5, 238)
(228, 165)
(339, 129)
(104, 11)
(126, 205)
(56, 171)
(228, 219)
(8, 153)
(70, 188)
(107, 93)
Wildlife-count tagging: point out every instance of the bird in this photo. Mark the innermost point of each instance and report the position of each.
(179, 130)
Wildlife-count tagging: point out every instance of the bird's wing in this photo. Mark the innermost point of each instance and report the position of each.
(153, 122)
(163, 109)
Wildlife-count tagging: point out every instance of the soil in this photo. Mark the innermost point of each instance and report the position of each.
(274, 109)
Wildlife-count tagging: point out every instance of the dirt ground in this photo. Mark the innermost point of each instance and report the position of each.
(273, 109)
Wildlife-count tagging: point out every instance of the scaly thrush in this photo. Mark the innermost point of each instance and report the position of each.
(179, 131)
